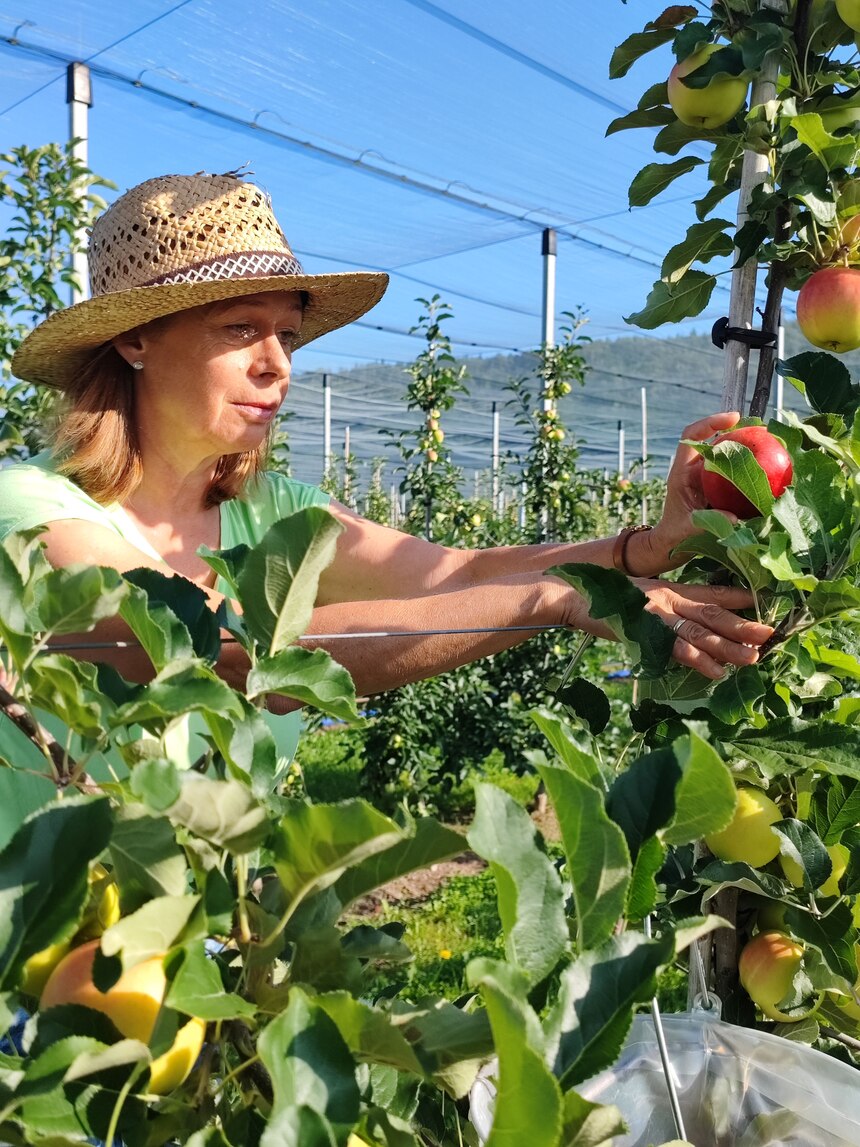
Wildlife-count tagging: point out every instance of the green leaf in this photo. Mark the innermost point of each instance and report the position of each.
(278, 582)
(738, 696)
(613, 598)
(225, 813)
(249, 748)
(824, 380)
(642, 117)
(788, 745)
(656, 177)
(673, 302)
(43, 878)
(156, 782)
(149, 931)
(75, 598)
(705, 796)
(588, 702)
(635, 46)
(369, 1032)
(227, 564)
(147, 860)
(530, 893)
(598, 861)
(560, 737)
(312, 677)
(833, 935)
(801, 844)
(162, 635)
(426, 842)
(703, 242)
(835, 807)
(528, 1101)
(642, 799)
(16, 627)
(831, 598)
(185, 601)
(588, 1124)
(642, 893)
(832, 151)
(68, 689)
(181, 687)
(315, 844)
(309, 1062)
(197, 989)
(597, 994)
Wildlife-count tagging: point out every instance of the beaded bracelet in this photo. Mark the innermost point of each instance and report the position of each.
(619, 550)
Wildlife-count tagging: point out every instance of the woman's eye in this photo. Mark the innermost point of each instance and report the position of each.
(243, 330)
(288, 339)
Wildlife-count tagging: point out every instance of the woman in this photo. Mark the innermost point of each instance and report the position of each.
(174, 371)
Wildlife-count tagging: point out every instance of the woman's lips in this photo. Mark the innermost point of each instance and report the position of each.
(260, 412)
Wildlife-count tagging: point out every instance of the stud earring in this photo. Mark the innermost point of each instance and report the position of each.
(137, 364)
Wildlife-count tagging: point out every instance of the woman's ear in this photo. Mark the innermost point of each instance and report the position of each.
(129, 345)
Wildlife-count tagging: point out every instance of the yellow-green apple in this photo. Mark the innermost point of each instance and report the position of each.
(849, 13)
(828, 309)
(133, 1004)
(839, 857)
(771, 455)
(749, 836)
(767, 967)
(707, 107)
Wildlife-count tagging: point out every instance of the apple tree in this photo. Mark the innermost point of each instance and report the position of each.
(787, 726)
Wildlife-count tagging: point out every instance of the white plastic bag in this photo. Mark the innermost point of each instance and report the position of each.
(737, 1088)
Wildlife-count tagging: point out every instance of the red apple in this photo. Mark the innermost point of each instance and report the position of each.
(828, 309)
(705, 107)
(767, 967)
(770, 454)
(133, 1003)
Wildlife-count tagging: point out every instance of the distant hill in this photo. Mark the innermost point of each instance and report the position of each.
(681, 375)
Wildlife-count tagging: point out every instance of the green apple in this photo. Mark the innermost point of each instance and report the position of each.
(705, 107)
(749, 836)
(767, 967)
(828, 309)
(849, 13)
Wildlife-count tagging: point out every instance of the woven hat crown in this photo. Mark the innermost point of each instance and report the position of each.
(187, 229)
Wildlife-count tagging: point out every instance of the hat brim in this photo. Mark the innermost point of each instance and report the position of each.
(58, 348)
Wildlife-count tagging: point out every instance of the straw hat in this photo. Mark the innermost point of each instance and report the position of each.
(177, 242)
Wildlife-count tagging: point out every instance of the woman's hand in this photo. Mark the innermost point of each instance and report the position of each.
(684, 490)
(708, 635)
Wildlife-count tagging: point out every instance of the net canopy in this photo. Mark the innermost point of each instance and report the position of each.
(432, 140)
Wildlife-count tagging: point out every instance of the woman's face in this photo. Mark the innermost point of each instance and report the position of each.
(214, 377)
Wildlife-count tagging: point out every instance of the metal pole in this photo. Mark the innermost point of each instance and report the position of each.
(780, 381)
(549, 245)
(79, 97)
(495, 461)
(644, 396)
(346, 465)
(326, 425)
(620, 448)
(754, 172)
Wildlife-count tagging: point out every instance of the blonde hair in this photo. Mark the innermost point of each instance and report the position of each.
(96, 438)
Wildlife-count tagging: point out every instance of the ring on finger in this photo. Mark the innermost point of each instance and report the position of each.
(677, 626)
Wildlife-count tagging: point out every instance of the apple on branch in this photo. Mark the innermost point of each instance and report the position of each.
(771, 455)
(828, 309)
(748, 837)
(707, 107)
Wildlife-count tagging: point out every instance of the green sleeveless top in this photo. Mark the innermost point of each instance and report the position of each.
(33, 494)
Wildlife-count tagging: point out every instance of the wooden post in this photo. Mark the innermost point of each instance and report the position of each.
(741, 306)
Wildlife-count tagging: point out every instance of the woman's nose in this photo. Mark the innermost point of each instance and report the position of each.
(273, 357)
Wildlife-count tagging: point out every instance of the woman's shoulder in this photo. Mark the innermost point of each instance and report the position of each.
(33, 493)
(266, 500)
(288, 492)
